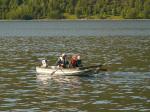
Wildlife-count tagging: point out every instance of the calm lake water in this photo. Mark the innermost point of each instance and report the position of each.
(122, 46)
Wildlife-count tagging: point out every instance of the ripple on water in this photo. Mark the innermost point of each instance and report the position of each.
(114, 90)
(102, 102)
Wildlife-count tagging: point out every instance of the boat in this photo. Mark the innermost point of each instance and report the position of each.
(80, 71)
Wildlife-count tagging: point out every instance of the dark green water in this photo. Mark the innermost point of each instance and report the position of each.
(125, 51)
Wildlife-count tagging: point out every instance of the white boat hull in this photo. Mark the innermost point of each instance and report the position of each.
(66, 72)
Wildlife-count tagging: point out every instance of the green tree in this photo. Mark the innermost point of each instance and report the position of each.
(70, 6)
(55, 9)
(131, 13)
(147, 9)
(78, 9)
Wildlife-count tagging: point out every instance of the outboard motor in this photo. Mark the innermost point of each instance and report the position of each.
(44, 64)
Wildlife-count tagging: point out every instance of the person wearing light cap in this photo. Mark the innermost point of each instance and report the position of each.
(62, 61)
(79, 62)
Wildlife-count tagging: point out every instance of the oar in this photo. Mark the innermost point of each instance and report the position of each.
(54, 71)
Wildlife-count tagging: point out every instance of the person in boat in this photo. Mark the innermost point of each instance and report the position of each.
(62, 61)
(76, 61)
(79, 62)
(44, 64)
(73, 61)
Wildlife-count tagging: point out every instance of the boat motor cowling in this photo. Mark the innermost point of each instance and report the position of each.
(44, 63)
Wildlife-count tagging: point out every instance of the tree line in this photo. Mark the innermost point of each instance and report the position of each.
(78, 9)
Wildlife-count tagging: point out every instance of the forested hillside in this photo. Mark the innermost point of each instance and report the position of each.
(74, 9)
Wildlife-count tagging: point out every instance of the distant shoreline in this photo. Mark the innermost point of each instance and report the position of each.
(78, 20)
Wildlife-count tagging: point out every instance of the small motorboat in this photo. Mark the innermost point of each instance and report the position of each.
(79, 71)
(54, 70)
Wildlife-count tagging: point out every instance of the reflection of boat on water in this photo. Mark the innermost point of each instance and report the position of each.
(45, 79)
(81, 71)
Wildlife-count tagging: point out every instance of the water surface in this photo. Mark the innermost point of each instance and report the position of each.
(76, 28)
(122, 46)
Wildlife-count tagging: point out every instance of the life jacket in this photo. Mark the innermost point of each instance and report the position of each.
(73, 62)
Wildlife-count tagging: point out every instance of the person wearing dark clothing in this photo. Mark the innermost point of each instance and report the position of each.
(62, 61)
